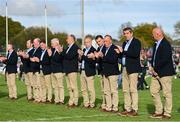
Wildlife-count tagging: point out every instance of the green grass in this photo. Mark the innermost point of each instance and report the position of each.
(21, 109)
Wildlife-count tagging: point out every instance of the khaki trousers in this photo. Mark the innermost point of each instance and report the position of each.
(111, 92)
(46, 87)
(166, 83)
(11, 83)
(87, 85)
(37, 86)
(58, 86)
(72, 88)
(129, 86)
(29, 85)
(103, 105)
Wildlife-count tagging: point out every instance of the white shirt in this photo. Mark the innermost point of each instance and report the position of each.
(126, 49)
(107, 49)
(69, 47)
(9, 54)
(85, 54)
(157, 45)
(42, 55)
(28, 50)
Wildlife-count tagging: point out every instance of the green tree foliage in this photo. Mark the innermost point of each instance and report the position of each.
(14, 28)
(177, 28)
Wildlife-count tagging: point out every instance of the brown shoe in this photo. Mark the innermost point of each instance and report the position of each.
(104, 110)
(114, 111)
(132, 113)
(72, 106)
(31, 99)
(156, 116)
(123, 113)
(165, 117)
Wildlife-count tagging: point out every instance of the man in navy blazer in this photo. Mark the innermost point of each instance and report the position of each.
(130, 55)
(45, 74)
(35, 65)
(70, 68)
(25, 59)
(162, 70)
(110, 72)
(88, 71)
(11, 70)
(56, 55)
(100, 42)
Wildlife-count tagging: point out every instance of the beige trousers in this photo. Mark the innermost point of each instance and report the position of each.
(129, 86)
(72, 88)
(58, 86)
(46, 87)
(29, 85)
(166, 83)
(11, 83)
(111, 92)
(87, 86)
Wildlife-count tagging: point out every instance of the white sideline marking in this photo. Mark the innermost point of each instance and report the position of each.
(97, 115)
(70, 117)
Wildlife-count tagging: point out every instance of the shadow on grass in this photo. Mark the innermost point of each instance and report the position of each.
(150, 108)
(98, 101)
(3, 94)
(21, 96)
(178, 110)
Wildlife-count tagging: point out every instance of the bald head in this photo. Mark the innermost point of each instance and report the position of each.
(158, 33)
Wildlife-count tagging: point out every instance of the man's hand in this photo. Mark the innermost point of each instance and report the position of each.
(59, 49)
(151, 69)
(100, 54)
(117, 51)
(32, 59)
(36, 59)
(80, 52)
(91, 55)
(2, 59)
(49, 52)
(119, 48)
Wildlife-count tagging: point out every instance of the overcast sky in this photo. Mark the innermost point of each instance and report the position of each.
(101, 16)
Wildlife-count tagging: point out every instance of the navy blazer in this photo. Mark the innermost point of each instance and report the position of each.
(56, 62)
(11, 63)
(99, 63)
(163, 60)
(26, 62)
(70, 63)
(132, 56)
(89, 64)
(46, 64)
(35, 66)
(110, 61)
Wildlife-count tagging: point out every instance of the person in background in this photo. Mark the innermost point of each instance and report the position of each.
(141, 79)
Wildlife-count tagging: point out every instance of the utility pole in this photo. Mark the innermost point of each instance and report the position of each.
(82, 22)
(6, 26)
(45, 17)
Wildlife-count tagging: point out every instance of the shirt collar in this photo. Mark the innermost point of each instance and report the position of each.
(70, 45)
(129, 41)
(158, 42)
